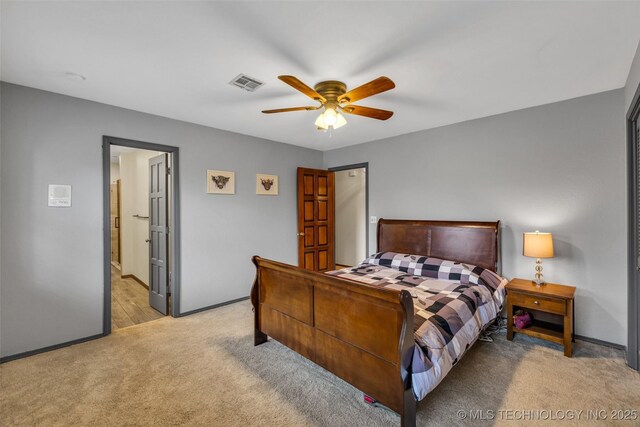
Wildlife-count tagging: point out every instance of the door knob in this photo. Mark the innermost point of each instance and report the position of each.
(147, 240)
(299, 234)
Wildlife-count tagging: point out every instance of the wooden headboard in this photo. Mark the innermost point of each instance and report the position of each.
(472, 242)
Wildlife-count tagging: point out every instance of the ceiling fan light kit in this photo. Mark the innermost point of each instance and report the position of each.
(333, 96)
(330, 119)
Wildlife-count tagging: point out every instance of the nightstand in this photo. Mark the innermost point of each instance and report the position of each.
(551, 307)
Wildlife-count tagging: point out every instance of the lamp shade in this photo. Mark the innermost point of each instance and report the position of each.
(538, 245)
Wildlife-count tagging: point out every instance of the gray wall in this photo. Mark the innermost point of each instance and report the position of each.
(558, 168)
(51, 258)
(633, 80)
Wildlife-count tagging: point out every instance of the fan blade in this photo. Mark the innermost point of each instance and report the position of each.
(373, 113)
(374, 87)
(298, 85)
(284, 110)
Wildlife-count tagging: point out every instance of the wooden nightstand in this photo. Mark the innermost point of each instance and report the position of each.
(551, 307)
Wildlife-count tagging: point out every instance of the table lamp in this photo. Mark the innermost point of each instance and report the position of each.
(538, 245)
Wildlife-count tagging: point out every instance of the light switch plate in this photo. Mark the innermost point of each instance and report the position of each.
(373, 220)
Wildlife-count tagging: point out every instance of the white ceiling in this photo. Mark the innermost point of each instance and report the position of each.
(451, 61)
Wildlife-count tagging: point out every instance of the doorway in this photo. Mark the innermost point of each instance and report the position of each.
(351, 214)
(633, 156)
(141, 232)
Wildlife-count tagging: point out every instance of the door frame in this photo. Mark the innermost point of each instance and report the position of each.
(364, 165)
(174, 223)
(633, 295)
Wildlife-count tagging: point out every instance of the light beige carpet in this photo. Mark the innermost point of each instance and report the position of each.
(203, 370)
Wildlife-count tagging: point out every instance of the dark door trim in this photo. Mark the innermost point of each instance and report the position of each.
(633, 295)
(366, 196)
(174, 227)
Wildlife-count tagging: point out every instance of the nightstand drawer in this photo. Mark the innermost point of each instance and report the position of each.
(537, 303)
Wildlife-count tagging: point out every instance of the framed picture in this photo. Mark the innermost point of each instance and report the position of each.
(267, 184)
(221, 182)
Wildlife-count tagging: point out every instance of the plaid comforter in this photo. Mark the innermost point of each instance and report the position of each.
(453, 303)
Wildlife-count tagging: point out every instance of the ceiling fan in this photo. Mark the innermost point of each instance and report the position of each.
(333, 96)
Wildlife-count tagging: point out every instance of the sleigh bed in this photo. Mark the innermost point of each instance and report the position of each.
(364, 323)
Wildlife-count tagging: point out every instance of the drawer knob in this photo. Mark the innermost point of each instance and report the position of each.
(536, 302)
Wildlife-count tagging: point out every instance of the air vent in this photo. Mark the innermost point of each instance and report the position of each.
(245, 82)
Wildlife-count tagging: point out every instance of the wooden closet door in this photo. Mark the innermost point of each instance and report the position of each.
(316, 219)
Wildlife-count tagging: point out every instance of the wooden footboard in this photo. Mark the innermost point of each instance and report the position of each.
(361, 333)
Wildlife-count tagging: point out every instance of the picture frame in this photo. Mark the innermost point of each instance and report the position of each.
(266, 185)
(221, 182)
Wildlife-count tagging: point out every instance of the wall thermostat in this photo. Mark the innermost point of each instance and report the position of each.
(59, 196)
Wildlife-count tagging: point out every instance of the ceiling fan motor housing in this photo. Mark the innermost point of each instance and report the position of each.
(331, 90)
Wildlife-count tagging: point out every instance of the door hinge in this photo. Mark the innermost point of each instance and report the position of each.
(168, 171)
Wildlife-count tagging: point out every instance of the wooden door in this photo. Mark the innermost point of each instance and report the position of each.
(115, 222)
(316, 219)
(158, 234)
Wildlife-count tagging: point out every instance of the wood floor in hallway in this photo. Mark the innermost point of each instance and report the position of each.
(129, 302)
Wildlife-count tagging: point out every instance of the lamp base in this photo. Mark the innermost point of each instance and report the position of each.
(539, 281)
(539, 284)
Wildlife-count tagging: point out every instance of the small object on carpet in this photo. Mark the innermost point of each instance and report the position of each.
(498, 326)
(373, 402)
